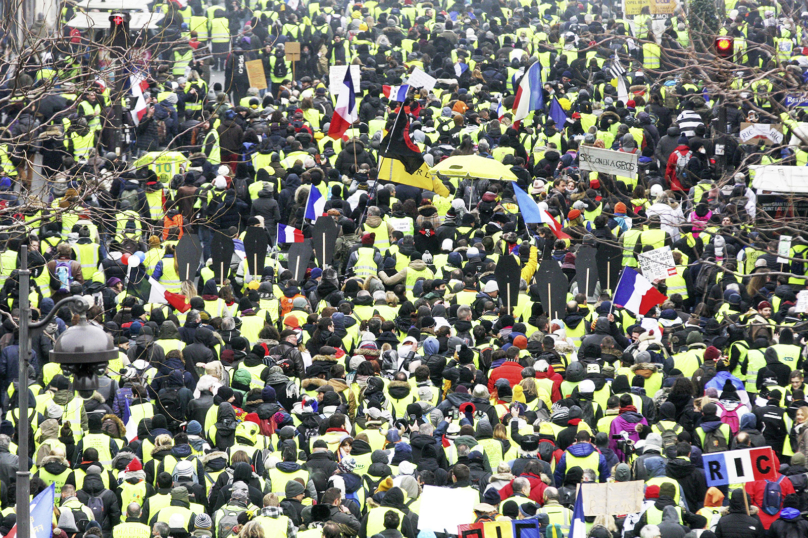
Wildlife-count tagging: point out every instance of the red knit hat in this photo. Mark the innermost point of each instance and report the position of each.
(573, 214)
(652, 492)
(133, 466)
(520, 342)
(594, 183)
(368, 239)
(619, 207)
(252, 417)
(711, 353)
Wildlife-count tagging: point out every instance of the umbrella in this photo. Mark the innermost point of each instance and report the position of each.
(474, 166)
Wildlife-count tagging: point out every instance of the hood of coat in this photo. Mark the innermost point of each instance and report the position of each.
(169, 331)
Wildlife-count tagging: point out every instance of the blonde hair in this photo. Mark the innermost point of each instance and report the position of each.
(804, 411)
(528, 385)
(391, 298)
(163, 440)
(252, 529)
(500, 432)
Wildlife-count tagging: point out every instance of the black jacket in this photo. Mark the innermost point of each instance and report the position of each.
(736, 524)
(691, 479)
(94, 487)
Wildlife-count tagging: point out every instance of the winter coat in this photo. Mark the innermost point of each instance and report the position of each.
(94, 487)
(231, 136)
(345, 160)
(286, 197)
(690, 478)
(266, 207)
(581, 450)
(736, 524)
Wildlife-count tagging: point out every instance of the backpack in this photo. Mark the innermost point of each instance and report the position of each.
(280, 70)
(772, 497)
(681, 164)
(228, 520)
(287, 303)
(566, 496)
(242, 192)
(284, 361)
(167, 404)
(99, 512)
(705, 278)
(730, 417)
(129, 195)
(669, 435)
(64, 275)
(715, 441)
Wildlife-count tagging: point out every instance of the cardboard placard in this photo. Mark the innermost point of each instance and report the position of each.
(255, 72)
(613, 498)
(784, 249)
(299, 257)
(292, 51)
(657, 264)
(610, 262)
(607, 161)
(802, 302)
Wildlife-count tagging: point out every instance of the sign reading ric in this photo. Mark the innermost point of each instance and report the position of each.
(739, 466)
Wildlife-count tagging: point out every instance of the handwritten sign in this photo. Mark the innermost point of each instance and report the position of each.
(802, 302)
(255, 72)
(336, 74)
(607, 161)
(657, 264)
(419, 79)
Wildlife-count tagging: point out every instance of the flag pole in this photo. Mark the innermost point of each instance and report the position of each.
(372, 193)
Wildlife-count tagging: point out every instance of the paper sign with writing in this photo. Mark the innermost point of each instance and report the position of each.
(784, 249)
(336, 74)
(607, 161)
(762, 132)
(255, 72)
(657, 264)
(662, 7)
(802, 302)
(633, 7)
(739, 466)
(419, 79)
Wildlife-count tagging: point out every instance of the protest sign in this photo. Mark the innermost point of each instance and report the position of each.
(255, 73)
(784, 249)
(657, 264)
(739, 466)
(613, 498)
(761, 132)
(526, 528)
(802, 302)
(419, 79)
(443, 510)
(336, 74)
(607, 161)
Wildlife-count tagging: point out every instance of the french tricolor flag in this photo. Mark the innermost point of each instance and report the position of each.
(396, 93)
(288, 234)
(345, 113)
(138, 85)
(315, 205)
(636, 294)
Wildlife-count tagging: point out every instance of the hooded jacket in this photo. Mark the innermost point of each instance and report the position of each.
(581, 450)
(94, 487)
(690, 478)
(266, 207)
(736, 522)
(225, 426)
(353, 152)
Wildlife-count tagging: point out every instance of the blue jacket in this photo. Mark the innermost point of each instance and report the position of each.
(581, 450)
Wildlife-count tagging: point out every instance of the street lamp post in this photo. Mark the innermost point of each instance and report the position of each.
(83, 349)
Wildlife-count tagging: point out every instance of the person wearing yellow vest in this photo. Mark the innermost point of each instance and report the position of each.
(272, 518)
(180, 505)
(366, 260)
(95, 438)
(55, 470)
(382, 230)
(654, 237)
(393, 502)
(582, 454)
(131, 527)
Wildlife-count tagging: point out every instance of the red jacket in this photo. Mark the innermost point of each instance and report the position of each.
(510, 370)
(537, 488)
(670, 169)
(557, 379)
(756, 490)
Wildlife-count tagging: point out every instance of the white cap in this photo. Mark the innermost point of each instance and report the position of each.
(220, 183)
(223, 170)
(447, 245)
(656, 190)
(472, 251)
(379, 295)
(541, 366)
(458, 203)
(491, 286)
(586, 386)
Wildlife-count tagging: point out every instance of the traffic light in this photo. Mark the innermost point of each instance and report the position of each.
(724, 46)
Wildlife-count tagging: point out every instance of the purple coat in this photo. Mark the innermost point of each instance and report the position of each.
(626, 422)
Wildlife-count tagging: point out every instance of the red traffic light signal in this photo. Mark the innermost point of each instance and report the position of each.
(724, 46)
(118, 20)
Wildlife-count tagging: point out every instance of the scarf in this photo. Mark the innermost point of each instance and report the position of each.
(427, 232)
(628, 408)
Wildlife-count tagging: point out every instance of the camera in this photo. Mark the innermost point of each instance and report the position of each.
(625, 445)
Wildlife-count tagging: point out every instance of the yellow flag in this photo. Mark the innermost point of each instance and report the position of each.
(393, 170)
